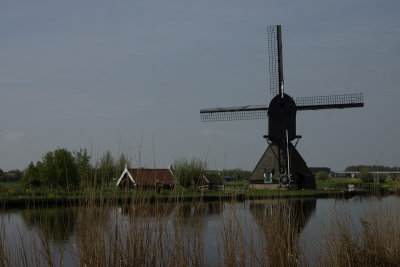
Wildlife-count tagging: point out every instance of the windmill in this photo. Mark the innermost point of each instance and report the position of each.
(281, 164)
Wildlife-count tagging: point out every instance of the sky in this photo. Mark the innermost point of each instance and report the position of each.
(130, 76)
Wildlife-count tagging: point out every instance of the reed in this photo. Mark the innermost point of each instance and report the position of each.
(143, 237)
(375, 242)
(233, 241)
(281, 225)
(144, 232)
(4, 253)
(272, 241)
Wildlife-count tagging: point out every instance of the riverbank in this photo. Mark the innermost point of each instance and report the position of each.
(15, 195)
(150, 196)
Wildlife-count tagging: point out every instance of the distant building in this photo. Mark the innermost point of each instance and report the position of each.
(210, 182)
(146, 178)
(227, 178)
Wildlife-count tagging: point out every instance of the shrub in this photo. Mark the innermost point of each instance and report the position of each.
(366, 176)
(188, 172)
(381, 178)
(322, 175)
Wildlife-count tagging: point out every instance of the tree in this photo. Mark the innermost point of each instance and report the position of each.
(365, 176)
(106, 169)
(2, 176)
(381, 177)
(31, 176)
(83, 167)
(120, 165)
(188, 172)
(59, 169)
(322, 175)
(40, 171)
(14, 175)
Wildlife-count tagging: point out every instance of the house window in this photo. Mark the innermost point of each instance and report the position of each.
(267, 177)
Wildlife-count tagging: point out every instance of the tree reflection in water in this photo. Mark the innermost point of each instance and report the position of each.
(231, 233)
(263, 232)
(55, 224)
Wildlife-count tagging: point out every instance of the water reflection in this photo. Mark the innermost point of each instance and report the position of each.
(147, 210)
(299, 210)
(215, 208)
(281, 223)
(56, 224)
(263, 232)
(191, 214)
(59, 224)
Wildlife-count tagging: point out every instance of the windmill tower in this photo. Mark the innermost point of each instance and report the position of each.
(281, 164)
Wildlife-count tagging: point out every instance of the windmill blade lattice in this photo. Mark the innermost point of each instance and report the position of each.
(274, 56)
(252, 112)
(329, 102)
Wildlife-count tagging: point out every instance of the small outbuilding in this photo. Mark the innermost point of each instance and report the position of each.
(142, 178)
(210, 182)
(228, 178)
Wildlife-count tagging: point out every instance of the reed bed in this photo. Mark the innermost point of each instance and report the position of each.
(254, 233)
(280, 224)
(232, 235)
(32, 250)
(144, 236)
(373, 242)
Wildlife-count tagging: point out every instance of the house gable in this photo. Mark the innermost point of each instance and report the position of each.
(148, 177)
(126, 171)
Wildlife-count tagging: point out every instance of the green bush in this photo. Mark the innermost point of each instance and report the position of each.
(366, 176)
(322, 175)
(188, 172)
(381, 178)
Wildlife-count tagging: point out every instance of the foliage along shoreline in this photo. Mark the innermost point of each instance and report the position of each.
(152, 197)
(64, 177)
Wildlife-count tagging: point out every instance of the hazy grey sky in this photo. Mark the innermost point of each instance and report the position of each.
(110, 75)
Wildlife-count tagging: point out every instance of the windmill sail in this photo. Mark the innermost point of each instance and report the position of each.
(330, 102)
(275, 59)
(251, 112)
(281, 161)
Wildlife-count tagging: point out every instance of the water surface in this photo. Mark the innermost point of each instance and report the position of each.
(205, 230)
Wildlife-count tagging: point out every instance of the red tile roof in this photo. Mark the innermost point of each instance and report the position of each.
(152, 176)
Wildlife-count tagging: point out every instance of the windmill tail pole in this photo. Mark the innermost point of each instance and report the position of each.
(287, 151)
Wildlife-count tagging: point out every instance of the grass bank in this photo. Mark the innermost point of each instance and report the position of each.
(15, 194)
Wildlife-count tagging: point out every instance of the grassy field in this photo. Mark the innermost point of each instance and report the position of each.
(236, 183)
(336, 182)
(342, 183)
(6, 185)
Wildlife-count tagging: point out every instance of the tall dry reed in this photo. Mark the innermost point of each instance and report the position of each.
(4, 254)
(234, 246)
(274, 241)
(142, 238)
(373, 242)
(281, 224)
(256, 233)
